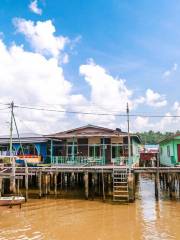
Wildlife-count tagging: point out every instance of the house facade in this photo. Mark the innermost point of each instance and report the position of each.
(92, 144)
(34, 147)
(170, 151)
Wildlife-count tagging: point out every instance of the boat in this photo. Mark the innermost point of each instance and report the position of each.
(12, 200)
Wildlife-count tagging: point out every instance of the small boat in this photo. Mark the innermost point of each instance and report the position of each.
(12, 200)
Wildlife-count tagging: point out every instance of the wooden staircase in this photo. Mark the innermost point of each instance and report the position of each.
(120, 185)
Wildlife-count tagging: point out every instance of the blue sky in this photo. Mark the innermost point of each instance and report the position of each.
(137, 41)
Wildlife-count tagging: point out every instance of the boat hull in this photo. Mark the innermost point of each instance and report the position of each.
(10, 201)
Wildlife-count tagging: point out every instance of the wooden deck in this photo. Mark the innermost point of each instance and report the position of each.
(20, 171)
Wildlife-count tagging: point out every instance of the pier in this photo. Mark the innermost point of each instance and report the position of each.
(113, 182)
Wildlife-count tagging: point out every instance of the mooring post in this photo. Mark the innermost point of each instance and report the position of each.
(86, 184)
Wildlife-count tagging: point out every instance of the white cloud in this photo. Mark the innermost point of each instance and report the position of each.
(33, 6)
(31, 79)
(108, 95)
(41, 36)
(169, 72)
(106, 91)
(154, 99)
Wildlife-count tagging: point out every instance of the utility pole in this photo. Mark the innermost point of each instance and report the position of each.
(11, 127)
(26, 166)
(12, 159)
(129, 140)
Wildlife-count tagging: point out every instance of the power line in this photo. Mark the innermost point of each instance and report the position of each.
(98, 114)
(95, 113)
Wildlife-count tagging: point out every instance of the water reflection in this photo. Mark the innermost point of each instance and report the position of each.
(79, 219)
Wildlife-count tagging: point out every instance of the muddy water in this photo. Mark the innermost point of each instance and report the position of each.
(93, 220)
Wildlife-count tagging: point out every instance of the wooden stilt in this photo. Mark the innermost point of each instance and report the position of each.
(26, 186)
(40, 184)
(157, 182)
(93, 185)
(109, 184)
(131, 191)
(157, 186)
(1, 184)
(18, 186)
(179, 183)
(72, 180)
(103, 187)
(86, 184)
(46, 184)
(55, 184)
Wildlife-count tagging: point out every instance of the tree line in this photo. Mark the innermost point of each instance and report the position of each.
(152, 137)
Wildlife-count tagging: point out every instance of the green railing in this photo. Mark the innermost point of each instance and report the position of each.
(80, 160)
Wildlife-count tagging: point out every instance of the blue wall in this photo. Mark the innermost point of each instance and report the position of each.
(41, 148)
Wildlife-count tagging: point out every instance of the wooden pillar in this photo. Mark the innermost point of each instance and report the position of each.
(157, 183)
(131, 187)
(40, 184)
(86, 184)
(103, 186)
(173, 191)
(46, 184)
(26, 184)
(157, 186)
(18, 186)
(96, 183)
(93, 185)
(179, 183)
(55, 184)
(109, 184)
(1, 189)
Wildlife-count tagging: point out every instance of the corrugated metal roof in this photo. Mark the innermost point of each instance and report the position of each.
(24, 137)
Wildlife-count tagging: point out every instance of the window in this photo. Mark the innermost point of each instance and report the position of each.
(94, 151)
(71, 149)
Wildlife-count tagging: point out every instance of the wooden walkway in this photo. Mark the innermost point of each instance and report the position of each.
(5, 171)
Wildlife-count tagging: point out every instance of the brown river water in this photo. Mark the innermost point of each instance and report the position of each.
(67, 219)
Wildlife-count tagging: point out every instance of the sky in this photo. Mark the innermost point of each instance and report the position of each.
(90, 56)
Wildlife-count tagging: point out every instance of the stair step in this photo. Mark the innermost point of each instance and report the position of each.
(121, 182)
(121, 200)
(121, 196)
(122, 186)
(120, 191)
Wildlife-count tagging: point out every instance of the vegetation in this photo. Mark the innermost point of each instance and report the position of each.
(152, 137)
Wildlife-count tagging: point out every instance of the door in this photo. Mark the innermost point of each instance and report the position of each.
(178, 152)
